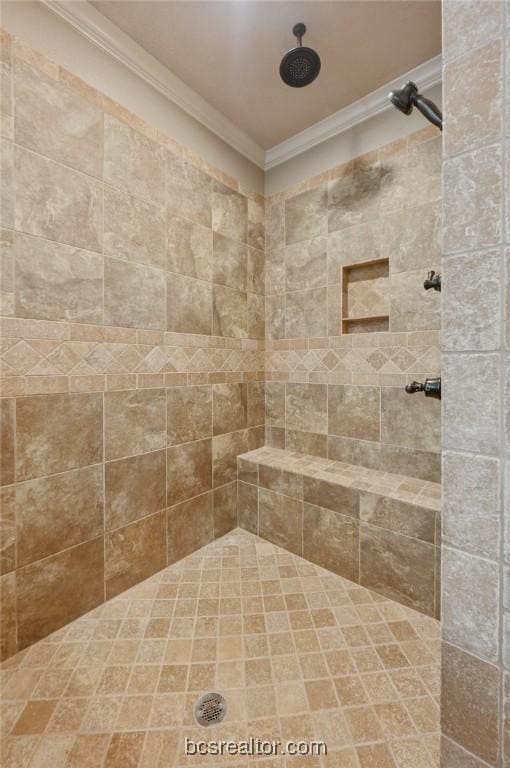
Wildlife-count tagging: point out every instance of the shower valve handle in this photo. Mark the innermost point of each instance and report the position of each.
(432, 281)
(431, 387)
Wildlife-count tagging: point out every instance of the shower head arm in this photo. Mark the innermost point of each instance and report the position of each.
(429, 110)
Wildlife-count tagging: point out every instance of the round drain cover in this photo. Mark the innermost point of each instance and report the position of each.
(210, 709)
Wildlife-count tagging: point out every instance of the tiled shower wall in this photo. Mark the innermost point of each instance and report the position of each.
(476, 424)
(132, 347)
(342, 396)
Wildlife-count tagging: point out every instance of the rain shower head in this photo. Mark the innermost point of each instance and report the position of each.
(300, 66)
(408, 96)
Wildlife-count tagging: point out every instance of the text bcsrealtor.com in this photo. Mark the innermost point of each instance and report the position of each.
(255, 748)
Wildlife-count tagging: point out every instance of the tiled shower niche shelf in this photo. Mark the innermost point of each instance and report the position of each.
(365, 297)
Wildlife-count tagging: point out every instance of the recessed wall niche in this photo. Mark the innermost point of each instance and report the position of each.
(365, 297)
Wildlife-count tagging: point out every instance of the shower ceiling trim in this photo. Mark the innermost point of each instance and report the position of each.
(100, 31)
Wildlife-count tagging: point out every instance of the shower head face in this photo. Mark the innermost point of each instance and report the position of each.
(404, 98)
(300, 66)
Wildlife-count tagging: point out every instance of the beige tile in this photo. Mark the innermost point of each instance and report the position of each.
(56, 202)
(331, 540)
(353, 196)
(472, 199)
(225, 509)
(306, 313)
(189, 471)
(7, 440)
(354, 412)
(189, 413)
(54, 513)
(7, 529)
(190, 526)
(57, 282)
(134, 295)
(469, 602)
(230, 312)
(134, 487)
(364, 724)
(256, 308)
(410, 421)
(134, 229)
(189, 248)
(56, 590)
(227, 447)
(481, 68)
(471, 418)
(399, 516)
(247, 507)
(133, 162)
(57, 432)
(189, 191)
(7, 213)
(464, 30)
(189, 305)
(306, 215)
(134, 553)
(8, 627)
(275, 317)
(229, 213)
(230, 408)
(134, 422)
(281, 520)
(306, 265)
(230, 262)
(470, 702)
(375, 756)
(400, 568)
(255, 277)
(124, 749)
(306, 407)
(471, 282)
(411, 307)
(331, 495)
(55, 121)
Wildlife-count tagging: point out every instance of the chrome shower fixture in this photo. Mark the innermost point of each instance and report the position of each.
(300, 66)
(408, 96)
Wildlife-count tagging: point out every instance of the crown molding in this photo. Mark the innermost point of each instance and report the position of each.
(424, 75)
(99, 30)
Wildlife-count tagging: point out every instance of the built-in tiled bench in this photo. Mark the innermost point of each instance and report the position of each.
(377, 529)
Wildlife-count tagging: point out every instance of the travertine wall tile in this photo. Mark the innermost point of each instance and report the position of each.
(229, 213)
(68, 584)
(134, 422)
(189, 248)
(134, 553)
(470, 702)
(225, 509)
(466, 27)
(188, 471)
(134, 229)
(190, 525)
(58, 432)
(410, 422)
(189, 414)
(354, 412)
(247, 507)
(134, 487)
(331, 540)
(188, 191)
(134, 295)
(57, 282)
(56, 202)
(471, 306)
(8, 623)
(230, 407)
(306, 407)
(7, 529)
(281, 520)
(306, 215)
(53, 120)
(189, 305)
(470, 599)
(57, 512)
(7, 441)
(132, 162)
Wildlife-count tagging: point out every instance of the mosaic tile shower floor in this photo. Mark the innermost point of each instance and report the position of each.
(298, 652)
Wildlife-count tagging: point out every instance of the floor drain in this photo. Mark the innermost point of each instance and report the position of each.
(210, 709)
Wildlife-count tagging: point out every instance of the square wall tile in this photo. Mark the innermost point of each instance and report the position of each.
(135, 422)
(331, 540)
(134, 295)
(306, 313)
(230, 312)
(7, 440)
(190, 526)
(188, 471)
(230, 262)
(225, 509)
(55, 121)
(189, 305)
(57, 203)
(353, 196)
(57, 282)
(306, 215)
(133, 162)
(8, 619)
(230, 407)
(470, 702)
(134, 229)
(306, 407)
(134, 487)
(134, 553)
(410, 421)
(189, 413)
(57, 512)
(68, 584)
(189, 248)
(7, 529)
(55, 433)
(188, 191)
(354, 412)
(470, 603)
(229, 212)
(281, 520)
